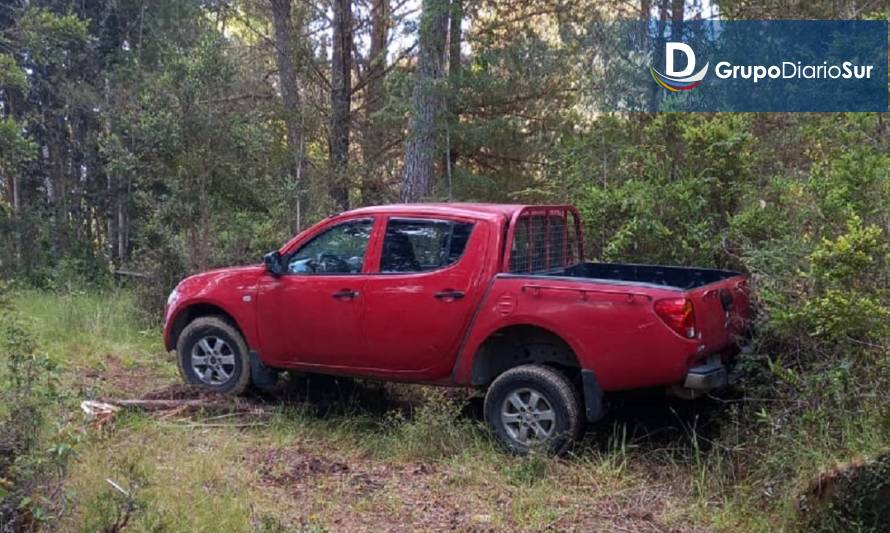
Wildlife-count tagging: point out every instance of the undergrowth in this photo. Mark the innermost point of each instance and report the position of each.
(35, 444)
(744, 461)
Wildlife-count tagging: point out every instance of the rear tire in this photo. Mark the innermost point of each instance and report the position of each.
(534, 407)
(212, 354)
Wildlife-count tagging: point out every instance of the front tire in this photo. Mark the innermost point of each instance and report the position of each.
(212, 354)
(534, 407)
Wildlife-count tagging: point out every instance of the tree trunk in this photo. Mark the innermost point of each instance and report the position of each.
(427, 102)
(455, 38)
(12, 109)
(123, 224)
(372, 187)
(654, 90)
(111, 217)
(645, 13)
(56, 193)
(14, 193)
(111, 193)
(281, 20)
(341, 99)
(454, 42)
(671, 139)
(17, 232)
(678, 8)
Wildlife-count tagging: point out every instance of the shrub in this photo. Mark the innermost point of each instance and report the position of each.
(851, 497)
(808, 224)
(31, 465)
(436, 430)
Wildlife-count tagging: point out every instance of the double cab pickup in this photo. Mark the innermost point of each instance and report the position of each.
(496, 297)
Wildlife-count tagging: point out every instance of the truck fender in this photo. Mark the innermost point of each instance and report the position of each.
(463, 367)
(188, 310)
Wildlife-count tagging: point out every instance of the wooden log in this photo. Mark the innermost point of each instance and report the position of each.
(208, 404)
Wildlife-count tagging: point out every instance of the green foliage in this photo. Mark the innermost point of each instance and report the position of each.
(15, 148)
(49, 37)
(724, 190)
(434, 432)
(11, 75)
(777, 210)
(853, 181)
(527, 470)
(31, 464)
(839, 290)
(96, 322)
(849, 275)
(670, 200)
(855, 259)
(840, 316)
(659, 222)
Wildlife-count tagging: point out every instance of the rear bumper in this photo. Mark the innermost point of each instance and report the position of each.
(707, 376)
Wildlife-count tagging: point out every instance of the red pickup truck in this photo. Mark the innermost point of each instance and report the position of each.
(476, 295)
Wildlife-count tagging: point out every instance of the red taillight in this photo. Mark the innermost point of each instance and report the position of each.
(678, 314)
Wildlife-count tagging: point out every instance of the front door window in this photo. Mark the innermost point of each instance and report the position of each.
(339, 250)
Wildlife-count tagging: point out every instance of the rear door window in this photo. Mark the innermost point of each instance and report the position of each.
(420, 245)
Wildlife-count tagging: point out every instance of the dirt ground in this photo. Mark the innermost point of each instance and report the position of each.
(319, 486)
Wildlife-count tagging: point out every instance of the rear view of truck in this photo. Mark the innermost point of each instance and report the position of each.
(706, 311)
(550, 319)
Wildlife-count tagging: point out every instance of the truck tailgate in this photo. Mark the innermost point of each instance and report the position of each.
(722, 311)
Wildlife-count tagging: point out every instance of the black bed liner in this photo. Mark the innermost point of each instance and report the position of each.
(668, 276)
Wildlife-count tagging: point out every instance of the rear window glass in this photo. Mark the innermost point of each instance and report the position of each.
(423, 245)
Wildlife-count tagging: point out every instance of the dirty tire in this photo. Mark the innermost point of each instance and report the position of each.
(219, 328)
(557, 392)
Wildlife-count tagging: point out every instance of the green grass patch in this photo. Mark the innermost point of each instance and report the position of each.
(86, 322)
(96, 339)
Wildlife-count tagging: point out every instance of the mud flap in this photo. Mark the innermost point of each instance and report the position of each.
(593, 397)
(261, 376)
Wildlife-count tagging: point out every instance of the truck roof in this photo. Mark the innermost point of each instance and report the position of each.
(506, 210)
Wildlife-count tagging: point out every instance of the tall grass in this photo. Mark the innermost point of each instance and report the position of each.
(759, 476)
(176, 480)
(84, 327)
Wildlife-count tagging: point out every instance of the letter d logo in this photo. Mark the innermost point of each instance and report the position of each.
(669, 53)
(683, 80)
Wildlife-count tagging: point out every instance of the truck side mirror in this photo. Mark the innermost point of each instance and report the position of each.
(272, 260)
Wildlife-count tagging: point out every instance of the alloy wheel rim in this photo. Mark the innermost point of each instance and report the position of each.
(528, 416)
(213, 360)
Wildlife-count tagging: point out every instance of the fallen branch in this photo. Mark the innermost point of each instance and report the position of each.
(132, 274)
(200, 425)
(231, 415)
(163, 405)
(231, 407)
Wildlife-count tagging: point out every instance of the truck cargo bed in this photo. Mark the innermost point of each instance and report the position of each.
(684, 278)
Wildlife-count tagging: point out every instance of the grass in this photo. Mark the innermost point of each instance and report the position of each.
(192, 482)
(94, 334)
(391, 457)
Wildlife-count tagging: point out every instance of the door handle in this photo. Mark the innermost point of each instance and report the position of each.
(449, 294)
(345, 294)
